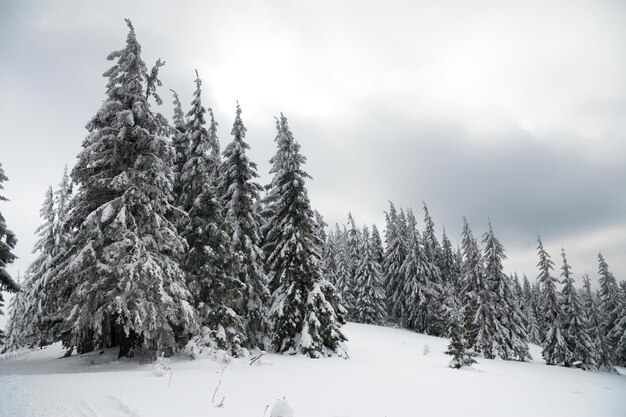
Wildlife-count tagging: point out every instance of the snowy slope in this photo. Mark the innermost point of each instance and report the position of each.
(388, 375)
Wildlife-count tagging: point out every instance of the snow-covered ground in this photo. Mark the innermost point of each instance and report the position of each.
(389, 374)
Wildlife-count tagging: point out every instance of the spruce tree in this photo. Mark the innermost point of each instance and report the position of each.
(306, 312)
(433, 252)
(240, 195)
(377, 246)
(417, 290)
(575, 325)
(7, 243)
(601, 351)
(353, 247)
(618, 336)
(370, 298)
(180, 143)
(610, 303)
(342, 277)
(17, 326)
(38, 305)
(554, 350)
(509, 338)
(394, 257)
(458, 348)
(121, 275)
(478, 309)
(450, 272)
(212, 263)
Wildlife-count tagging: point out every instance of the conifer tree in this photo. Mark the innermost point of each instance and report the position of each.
(330, 258)
(240, 195)
(554, 350)
(180, 143)
(433, 252)
(306, 312)
(450, 272)
(509, 339)
(7, 243)
(377, 246)
(575, 324)
(38, 305)
(370, 299)
(121, 275)
(17, 326)
(618, 336)
(394, 257)
(353, 246)
(610, 303)
(478, 307)
(595, 330)
(342, 278)
(413, 297)
(212, 263)
(458, 348)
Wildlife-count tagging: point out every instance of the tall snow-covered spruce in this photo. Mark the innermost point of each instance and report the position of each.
(306, 312)
(509, 339)
(555, 351)
(370, 295)
(121, 274)
(7, 243)
(212, 261)
(575, 323)
(240, 196)
(478, 298)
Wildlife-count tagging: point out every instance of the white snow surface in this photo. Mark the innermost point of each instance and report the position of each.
(388, 374)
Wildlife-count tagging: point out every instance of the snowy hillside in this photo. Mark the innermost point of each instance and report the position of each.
(390, 373)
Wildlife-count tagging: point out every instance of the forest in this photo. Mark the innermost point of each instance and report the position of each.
(160, 242)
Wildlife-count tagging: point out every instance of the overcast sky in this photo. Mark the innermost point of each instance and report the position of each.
(514, 113)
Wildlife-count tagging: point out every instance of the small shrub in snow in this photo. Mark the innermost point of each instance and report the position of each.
(426, 350)
(161, 366)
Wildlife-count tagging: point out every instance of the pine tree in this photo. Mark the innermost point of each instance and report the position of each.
(370, 299)
(306, 311)
(7, 243)
(478, 307)
(240, 196)
(458, 348)
(510, 339)
(554, 350)
(595, 330)
(575, 324)
(122, 276)
(213, 262)
(395, 255)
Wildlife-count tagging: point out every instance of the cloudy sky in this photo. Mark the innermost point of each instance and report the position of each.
(492, 110)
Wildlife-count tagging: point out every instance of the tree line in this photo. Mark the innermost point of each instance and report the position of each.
(417, 282)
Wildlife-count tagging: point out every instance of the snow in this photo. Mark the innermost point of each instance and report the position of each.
(387, 374)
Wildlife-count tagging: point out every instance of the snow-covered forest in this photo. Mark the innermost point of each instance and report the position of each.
(161, 243)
